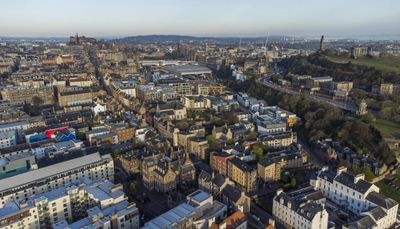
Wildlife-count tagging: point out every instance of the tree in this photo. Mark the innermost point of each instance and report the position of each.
(369, 175)
(115, 154)
(152, 111)
(230, 142)
(258, 150)
(37, 101)
(191, 114)
(214, 144)
(251, 135)
(230, 118)
(211, 139)
(136, 144)
(285, 176)
(293, 182)
(182, 125)
(132, 186)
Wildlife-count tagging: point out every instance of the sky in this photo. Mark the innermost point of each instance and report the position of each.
(219, 18)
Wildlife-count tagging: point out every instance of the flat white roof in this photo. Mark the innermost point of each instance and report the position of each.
(42, 173)
(171, 217)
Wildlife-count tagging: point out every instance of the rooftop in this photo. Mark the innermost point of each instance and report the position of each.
(234, 220)
(303, 201)
(14, 124)
(348, 179)
(241, 164)
(199, 196)
(171, 218)
(42, 173)
(6, 135)
(188, 69)
(10, 209)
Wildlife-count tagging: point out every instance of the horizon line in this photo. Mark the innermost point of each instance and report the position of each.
(357, 37)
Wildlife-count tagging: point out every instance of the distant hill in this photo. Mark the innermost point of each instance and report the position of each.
(182, 38)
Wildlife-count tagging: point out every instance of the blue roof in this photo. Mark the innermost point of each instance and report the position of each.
(98, 193)
(199, 196)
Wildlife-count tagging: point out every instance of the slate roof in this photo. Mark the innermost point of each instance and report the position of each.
(205, 176)
(347, 179)
(364, 223)
(380, 200)
(377, 213)
(303, 201)
(218, 180)
(232, 193)
(241, 164)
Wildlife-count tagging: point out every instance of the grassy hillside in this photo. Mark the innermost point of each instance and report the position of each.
(387, 64)
(388, 129)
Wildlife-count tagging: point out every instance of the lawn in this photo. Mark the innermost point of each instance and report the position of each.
(388, 128)
(388, 190)
(388, 64)
(396, 181)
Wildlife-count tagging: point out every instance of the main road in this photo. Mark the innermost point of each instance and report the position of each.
(335, 103)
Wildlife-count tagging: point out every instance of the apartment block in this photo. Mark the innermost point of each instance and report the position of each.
(75, 97)
(18, 127)
(269, 170)
(242, 174)
(8, 139)
(196, 102)
(24, 94)
(210, 89)
(70, 204)
(118, 216)
(219, 162)
(22, 186)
